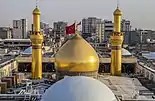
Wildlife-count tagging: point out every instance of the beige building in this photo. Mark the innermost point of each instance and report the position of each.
(100, 31)
(7, 67)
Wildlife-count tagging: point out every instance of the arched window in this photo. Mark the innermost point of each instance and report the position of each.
(152, 77)
(147, 74)
(143, 72)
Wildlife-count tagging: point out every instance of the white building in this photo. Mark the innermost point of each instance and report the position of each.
(44, 25)
(108, 29)
(59, 28)
(100, 31)
(89, 24)
(93, 25)
(20, 29)
(125, 25)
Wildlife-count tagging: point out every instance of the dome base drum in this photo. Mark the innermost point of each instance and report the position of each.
(62, 74)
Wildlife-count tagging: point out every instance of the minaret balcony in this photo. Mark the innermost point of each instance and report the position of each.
(38, 36)
(36, 33)
(36, 41)
(117, 34)
(116, 40)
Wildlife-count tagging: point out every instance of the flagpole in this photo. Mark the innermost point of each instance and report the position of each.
(75, 25)
(75, 21)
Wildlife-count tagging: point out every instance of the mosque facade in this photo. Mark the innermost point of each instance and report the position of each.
(78, 67)
(76, 57)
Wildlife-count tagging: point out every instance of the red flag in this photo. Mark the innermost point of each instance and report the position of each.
(70, 29)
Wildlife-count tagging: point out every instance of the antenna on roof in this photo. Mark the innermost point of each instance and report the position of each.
(117, 3)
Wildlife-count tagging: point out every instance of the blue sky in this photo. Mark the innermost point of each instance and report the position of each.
(140, 12)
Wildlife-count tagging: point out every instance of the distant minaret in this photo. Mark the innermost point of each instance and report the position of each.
(116, 44)
(37, 40)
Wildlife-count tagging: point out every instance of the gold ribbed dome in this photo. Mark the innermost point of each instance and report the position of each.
(117, 12)
(36, 11)
(77, 56)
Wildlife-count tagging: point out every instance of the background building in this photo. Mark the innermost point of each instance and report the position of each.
(59, 28)
(125, 25)
(100, 31)
(5, 33)
(138, 36)
(20, 29)
(92, 26)
(89, 25)
(24, 28)
(44, 25)
(108, 29)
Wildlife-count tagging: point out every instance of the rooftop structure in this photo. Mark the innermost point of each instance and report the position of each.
(45, 51)
(125, 53)
(28, 51)
(15, 43)
(127, 89)
(150, 56)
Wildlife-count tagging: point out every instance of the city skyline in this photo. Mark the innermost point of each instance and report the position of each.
(139, 12)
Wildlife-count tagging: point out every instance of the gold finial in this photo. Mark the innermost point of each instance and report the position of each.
(117, 11)
(36, 10)
(117, 3)
(36, 3)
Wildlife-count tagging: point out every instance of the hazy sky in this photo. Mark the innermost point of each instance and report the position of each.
(140, 12)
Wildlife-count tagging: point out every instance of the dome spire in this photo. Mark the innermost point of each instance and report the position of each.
(117, 3)
(36, 3)
(118, 12)
(36, 10)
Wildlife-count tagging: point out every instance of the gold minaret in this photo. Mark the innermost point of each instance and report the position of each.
(116, 44)
(37, 40)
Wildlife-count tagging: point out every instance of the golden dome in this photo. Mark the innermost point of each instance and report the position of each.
(117, 12)
(77, 56)
(36, 11)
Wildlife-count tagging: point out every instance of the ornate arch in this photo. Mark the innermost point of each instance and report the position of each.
(49, 76)
(101, 68)
(124, 68)
(152, 77)
(143, 72)
(147, 74)
(106, 68)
